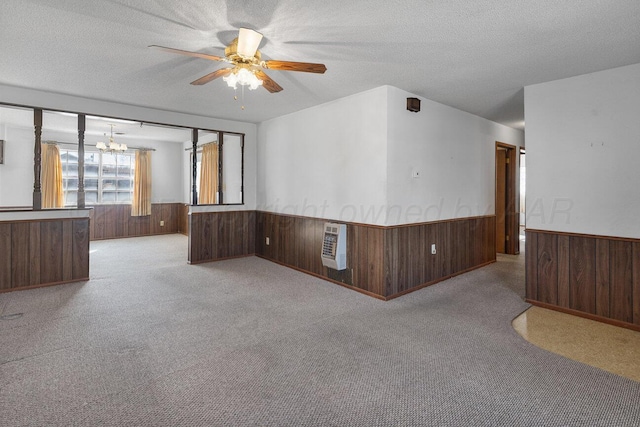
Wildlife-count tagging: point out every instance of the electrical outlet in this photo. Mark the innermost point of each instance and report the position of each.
(433, 249)
(266, 241)
(161, 223)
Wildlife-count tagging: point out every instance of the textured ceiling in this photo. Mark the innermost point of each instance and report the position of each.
(473, 55)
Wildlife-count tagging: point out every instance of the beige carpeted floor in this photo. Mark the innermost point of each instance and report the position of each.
(152, 341)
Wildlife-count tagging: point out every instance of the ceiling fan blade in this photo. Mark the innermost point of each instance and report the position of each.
(188, 53)
(211, 76)
(268, 83)
(306, 67)
(248, 42)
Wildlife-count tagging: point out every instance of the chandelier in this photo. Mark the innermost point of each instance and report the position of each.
(113, 146)
(243, 76)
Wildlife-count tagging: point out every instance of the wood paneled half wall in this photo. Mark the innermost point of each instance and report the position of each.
(115, 221)
(592, 276)
(384, 262)
(221, 235)
(40, 252)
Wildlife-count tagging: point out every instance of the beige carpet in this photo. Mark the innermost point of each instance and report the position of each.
(152, 341)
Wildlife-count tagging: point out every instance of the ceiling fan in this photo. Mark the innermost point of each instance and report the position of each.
(247, 65)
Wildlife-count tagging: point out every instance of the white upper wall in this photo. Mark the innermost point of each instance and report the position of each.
(352, 160)
(453, 154)
(328, 161)
(167, 168)
(583, 156)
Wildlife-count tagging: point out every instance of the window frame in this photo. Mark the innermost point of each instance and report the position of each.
(100, 177)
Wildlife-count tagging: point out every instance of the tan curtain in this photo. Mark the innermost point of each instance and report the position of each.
(51, 178)
(208, 175)
(141, 204)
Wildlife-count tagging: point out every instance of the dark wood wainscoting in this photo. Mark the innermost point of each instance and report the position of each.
(297, 241)
(220, 235)
(43, 252)
(183, 219)
(592, 276)
(461, 245)
(115, 221)
(381, 261)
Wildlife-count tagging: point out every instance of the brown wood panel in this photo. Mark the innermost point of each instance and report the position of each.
(154, 219)
(122, 221)
(67, 250)
(477, 241)
(316, 247)
(266, 228)
(385, 261)
(563, 271)
(582, 274)
(392, 261)
(375, 260)
(80, 251)
(460, 245)
(636, 283)
(250, 221)
(51, 251)
(603, 272)
(597, 276)
(621, 280)
(19, 254)
(183, 219)
(260, 233)
(547, 268)
(171, 214)
(416, 255)
(207, 235)
(219, 235)
(193, 235)
(133, 225)
(531, 260)
(98, 223)
(34, 254)
(360, 265)
(110, 213)
(6, 251)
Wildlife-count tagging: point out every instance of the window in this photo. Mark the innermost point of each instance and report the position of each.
(108, 178)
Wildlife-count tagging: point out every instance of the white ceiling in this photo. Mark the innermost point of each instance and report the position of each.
(473, 55)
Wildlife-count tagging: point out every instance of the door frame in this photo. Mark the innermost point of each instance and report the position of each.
(512, 216)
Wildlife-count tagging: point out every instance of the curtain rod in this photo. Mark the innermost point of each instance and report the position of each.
(201, 145)
(93, 145)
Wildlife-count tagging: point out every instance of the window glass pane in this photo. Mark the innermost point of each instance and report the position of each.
(91, 184)
(124, 170)
(70, 170)
(108, 197)
(70, 183)
(124, 184)
(91, 158)
(91, 170)
(91, 197)
(108, 159)
(124, 159)
(70, 198)
(108, 184)
(123, 197)
(108, 170)
(108, 177)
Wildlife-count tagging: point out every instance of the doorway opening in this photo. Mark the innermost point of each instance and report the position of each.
(507, 215)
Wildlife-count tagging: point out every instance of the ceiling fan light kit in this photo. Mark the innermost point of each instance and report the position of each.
(248, 66)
